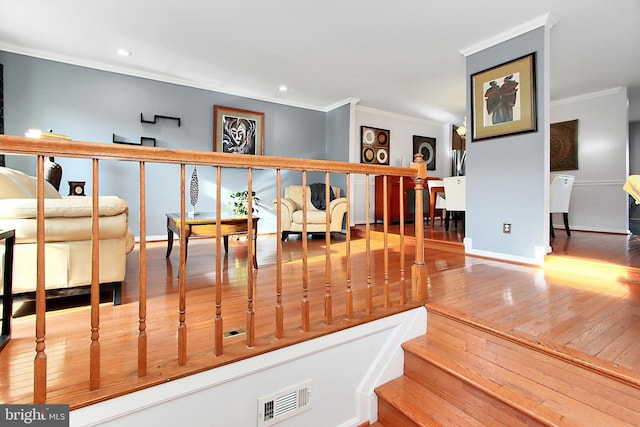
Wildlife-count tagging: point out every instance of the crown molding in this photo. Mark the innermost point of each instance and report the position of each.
(587, 96)
(149, 75)
(400, 116)
(353, 101)
(546, 20)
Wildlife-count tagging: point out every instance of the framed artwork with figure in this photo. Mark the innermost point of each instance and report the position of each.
(238, 131)
(504, 99)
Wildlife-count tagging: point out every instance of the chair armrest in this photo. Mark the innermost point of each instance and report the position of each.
(338, 203)
(288, 207)
(338, 209)
(289, 204)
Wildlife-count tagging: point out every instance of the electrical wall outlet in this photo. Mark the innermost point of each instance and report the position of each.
(506, 227)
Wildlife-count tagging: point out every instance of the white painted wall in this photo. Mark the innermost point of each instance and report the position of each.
(344, 368)
(598, 202)
(634, 103)
(634, 168)
(402, 129)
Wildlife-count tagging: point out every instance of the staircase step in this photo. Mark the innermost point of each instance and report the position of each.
(404, 402)
(460, 373)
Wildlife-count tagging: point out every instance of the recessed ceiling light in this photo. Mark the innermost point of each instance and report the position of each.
(283, 88)
(123, 52)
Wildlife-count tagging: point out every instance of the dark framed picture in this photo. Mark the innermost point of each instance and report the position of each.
(427, 147)
(238, 131)
(374, 145)
(504, 99)
(564, 146)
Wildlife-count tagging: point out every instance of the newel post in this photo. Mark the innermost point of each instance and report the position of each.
(419, 272)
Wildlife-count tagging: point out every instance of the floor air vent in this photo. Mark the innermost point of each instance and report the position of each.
(284, 404)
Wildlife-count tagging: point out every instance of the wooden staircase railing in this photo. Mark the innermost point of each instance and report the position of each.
(98, 152)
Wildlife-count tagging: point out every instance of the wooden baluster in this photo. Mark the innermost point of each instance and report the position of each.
(419, 275)
(327, 267)
(218, 322)
(403, 292)
(349, 299)
(94, 362)
(182, 280)
(385, 286)
(279, 307)
(369, 294)
(142, 274)
(305, 278)
(40, 361)
(251, 319)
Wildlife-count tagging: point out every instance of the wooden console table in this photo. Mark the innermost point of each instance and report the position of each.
(204, 225)
(393, 198)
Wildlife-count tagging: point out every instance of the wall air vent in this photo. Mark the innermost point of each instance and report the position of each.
(284, 404)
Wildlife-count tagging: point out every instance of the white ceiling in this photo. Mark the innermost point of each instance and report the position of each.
(400, 56)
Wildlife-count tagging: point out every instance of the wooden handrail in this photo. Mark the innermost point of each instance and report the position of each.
(142, 155)
(89, 150)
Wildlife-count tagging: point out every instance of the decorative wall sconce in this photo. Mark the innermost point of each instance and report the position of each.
(462, 130)
(459, 149)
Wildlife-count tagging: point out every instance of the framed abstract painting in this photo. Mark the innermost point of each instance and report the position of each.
(427, 147)
(564, 146)
(374, 145)
(238, 131)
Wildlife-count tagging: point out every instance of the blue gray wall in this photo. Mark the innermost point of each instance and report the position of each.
(92, 105)
(337, 147)
(507, 178)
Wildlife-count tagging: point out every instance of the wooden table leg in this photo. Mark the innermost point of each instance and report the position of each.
(255, 245)
(432, 208)
(255, 259)
(169, 239)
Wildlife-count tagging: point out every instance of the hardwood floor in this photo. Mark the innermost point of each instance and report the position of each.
(595, 320)
(584, 304)
(616, 249)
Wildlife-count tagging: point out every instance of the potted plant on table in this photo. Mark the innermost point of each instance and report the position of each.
(240, 202)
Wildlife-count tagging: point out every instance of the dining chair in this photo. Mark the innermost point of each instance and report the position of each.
(455, 192)
(437, 202)
(559, 198)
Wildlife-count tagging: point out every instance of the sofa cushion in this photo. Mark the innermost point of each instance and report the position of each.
(66, 207)
(66, 229)
(313, 217)
(15, 184)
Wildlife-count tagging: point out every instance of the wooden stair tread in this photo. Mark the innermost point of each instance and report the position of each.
(420, 405)
(545, 388)
(621, 373)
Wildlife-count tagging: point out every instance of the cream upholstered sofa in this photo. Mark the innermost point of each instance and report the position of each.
(67, 236)
(291, 218)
